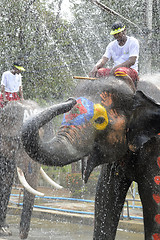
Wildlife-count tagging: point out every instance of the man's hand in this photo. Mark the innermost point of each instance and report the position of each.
(5, 100)
(94, 71)
(100, 64)
(22, 99)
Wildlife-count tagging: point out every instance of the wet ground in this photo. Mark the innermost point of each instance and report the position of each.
(43, 229)
(69, 226)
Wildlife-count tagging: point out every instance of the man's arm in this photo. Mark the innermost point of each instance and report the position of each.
(99, 64)
(3, 93)
(130, 62)
(21, 93)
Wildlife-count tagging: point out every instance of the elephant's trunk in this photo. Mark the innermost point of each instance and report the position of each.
(59, 151)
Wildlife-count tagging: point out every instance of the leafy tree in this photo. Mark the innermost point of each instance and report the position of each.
(32, 32)
(53, 49)
(93, 26)
(155, 46)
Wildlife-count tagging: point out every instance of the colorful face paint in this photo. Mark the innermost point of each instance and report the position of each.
(156, 236)
(83, 111)
(157, 180)
(100, 118)
(106, 99)
(157, 218)
(156, 198)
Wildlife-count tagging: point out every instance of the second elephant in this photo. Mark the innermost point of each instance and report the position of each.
(12, 154)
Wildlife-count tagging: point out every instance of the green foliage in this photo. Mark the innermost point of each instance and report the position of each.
(53, 171)
(155, 46)
(30, 32)
(77, 187)
(72, 181)
(53, 50)
(93, 27)
(58, 174)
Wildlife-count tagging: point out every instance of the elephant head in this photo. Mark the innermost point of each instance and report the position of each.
(108, 124)
(100, 125)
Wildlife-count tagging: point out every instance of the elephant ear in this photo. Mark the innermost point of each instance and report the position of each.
(11, 119)
(144, 122)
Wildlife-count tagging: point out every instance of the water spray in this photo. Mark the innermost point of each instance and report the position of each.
(105, 8)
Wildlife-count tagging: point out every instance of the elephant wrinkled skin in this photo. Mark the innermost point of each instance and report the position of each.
(113, 126)
(12, 154)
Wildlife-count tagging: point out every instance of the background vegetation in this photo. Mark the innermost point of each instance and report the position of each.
(53, 49)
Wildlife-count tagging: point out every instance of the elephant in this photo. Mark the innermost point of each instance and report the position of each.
(12, 154)
(109, 124)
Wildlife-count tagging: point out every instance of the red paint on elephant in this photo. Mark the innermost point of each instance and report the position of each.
(157, 218)
(157, 180)
(158, 161)
(77, 110)
(156, 197)
(156, 236)
(106, 99)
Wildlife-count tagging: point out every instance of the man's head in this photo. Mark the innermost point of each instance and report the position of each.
(117, 27)
(17, 67)
(118, 30)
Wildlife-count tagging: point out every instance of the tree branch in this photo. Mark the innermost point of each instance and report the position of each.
(105, 8)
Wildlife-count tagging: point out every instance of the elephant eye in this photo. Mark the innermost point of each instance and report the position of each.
(100, 120)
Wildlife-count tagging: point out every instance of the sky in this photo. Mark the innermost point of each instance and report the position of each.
(65, 10)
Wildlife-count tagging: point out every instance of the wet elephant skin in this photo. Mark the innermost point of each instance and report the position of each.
(12, 154)
(114, 127)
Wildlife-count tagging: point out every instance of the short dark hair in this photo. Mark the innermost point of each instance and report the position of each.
(117, 27)
(117, 24)
(17, 64)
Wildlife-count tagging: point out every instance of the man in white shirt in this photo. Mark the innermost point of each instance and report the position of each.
(124, 51)
(11, 85)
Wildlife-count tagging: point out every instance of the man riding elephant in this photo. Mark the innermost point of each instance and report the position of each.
(124, 51)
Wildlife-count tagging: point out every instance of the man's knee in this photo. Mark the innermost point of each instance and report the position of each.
(103, 72)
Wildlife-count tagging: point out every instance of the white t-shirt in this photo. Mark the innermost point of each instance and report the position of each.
(11, 82)
(120, 54)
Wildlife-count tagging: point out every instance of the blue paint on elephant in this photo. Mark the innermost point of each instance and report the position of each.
(83, 111)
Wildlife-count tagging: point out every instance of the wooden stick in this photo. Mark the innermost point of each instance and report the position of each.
(85, 78)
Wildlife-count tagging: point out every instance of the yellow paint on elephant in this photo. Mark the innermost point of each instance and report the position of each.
(100, 118)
